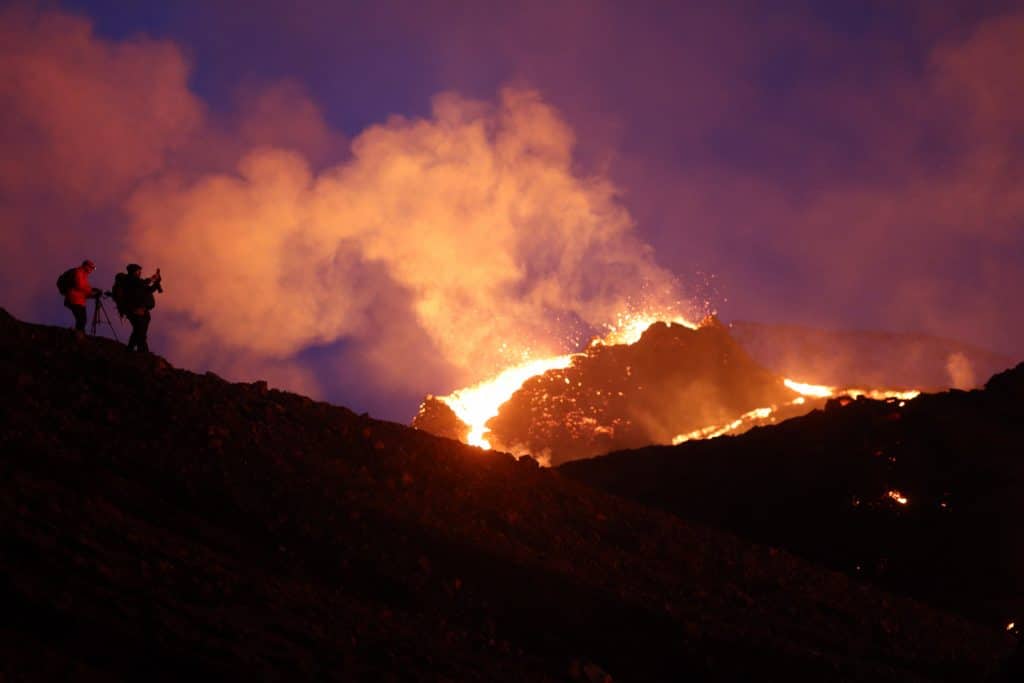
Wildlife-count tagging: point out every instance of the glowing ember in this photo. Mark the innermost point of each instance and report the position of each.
(898, 497)
(1009, 627)
(882, 394)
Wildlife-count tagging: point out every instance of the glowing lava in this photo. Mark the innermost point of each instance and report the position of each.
(768, 413)
(816, 390)
(713, 431)
(823, 391)
(628, 328)
(477, 404)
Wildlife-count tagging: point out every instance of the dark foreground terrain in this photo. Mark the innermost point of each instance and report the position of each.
(163, 525)
(924, 497)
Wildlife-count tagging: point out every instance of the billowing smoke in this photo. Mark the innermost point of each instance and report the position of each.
(429, 253)
(474, 217)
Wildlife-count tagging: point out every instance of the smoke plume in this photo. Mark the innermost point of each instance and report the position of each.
(473, 219)
(961, 372)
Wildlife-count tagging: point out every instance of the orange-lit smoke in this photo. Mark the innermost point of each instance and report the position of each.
(961, 371)
(475, 217)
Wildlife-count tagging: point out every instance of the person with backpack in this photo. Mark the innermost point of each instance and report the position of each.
(74, 285)
(133, 295)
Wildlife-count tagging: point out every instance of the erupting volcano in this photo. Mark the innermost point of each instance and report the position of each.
(647, 382)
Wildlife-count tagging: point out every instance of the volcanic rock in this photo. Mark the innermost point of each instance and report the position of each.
(922, 497)
(158, 524)
(672, 381)
(437, 418)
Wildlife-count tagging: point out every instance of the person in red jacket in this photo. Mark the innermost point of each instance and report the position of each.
(79, 293)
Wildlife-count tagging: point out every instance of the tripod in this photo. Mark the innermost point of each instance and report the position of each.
(99, 316)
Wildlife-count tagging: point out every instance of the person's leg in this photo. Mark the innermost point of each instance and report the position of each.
(79, 313)
(143, 332)
(133, 341)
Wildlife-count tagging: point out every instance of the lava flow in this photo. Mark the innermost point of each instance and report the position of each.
(772, 414)
(477, 404)
(822, 391)
(646, 381)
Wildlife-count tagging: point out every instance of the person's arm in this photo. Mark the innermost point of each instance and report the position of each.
(82, 285)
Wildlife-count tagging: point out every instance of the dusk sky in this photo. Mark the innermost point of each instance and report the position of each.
(370, 201)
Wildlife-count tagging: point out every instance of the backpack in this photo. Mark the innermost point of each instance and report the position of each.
(119, 294)
(66, 281)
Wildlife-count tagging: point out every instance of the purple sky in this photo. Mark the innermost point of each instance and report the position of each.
(855, 166)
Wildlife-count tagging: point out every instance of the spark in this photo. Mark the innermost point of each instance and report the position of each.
(898, 497)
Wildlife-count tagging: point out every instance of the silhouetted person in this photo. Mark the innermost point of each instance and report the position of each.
(134, 297)
(78, 292)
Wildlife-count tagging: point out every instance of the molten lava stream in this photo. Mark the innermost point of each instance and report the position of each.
(477, 404)
(822, 391)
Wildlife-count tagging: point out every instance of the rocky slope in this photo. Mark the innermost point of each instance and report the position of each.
(922, 497)
(163, 525)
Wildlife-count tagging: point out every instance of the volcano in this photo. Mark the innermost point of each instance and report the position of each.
(163, 525)
(673, 381)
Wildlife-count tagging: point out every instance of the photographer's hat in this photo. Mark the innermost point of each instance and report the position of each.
(132, 266)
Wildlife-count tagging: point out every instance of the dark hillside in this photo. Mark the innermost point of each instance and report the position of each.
(924, 497)
(158, 524)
